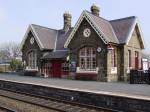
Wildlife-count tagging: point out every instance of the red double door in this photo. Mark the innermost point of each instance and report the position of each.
(56, 68)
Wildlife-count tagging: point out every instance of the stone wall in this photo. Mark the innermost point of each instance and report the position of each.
(112, 72)
(133, 45)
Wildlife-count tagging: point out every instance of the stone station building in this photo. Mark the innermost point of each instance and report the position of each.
(94, 49)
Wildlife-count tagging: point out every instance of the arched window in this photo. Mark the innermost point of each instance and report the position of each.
(87, 59)
(32, 60)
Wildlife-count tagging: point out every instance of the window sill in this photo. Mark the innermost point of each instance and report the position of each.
(87, 71)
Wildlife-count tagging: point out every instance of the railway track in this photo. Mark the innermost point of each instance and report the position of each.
(51, 103)
(5, 109)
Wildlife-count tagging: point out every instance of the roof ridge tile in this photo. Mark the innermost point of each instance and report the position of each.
(44, 27)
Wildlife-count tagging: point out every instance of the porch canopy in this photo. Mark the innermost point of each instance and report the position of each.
(55, 55)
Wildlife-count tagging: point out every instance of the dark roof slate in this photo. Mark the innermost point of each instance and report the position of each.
(104, 26)
(61, 39)
(51, 38)
(46, 36)
(115, 31)
(123, 27)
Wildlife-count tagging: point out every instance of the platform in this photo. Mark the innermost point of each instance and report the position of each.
(136, 91)
(122, 97)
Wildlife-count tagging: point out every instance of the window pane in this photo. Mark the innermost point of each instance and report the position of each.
(32, 60)
(88, 61)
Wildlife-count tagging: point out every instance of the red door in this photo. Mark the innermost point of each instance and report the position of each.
(56, 68)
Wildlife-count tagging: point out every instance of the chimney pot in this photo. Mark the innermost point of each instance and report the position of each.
(95, 10)
(67, 21)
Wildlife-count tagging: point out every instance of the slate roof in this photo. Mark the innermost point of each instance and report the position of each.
(104, 26)
(115, 31)
(123, 27)
(56, 55)
(51, 38)
(46, 36)
(61, 39)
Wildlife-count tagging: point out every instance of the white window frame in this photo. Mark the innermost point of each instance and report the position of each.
(32, 60)
(85, 54)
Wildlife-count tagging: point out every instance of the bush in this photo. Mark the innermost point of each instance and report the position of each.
(15, 65)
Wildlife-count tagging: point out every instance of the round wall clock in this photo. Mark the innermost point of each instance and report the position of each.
(86, 32)
(99, 49)
(32, 40)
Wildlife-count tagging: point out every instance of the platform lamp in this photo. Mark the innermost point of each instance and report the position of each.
(109, 48)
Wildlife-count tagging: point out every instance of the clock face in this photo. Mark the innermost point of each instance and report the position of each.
(99, 49)
(32, 40)
(87, 32)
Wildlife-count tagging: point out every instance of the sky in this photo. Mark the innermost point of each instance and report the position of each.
(16, 15)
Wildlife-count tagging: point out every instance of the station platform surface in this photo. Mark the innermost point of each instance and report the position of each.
(136, 91)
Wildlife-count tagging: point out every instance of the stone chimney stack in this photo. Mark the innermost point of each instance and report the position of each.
(95, 10)
(67, 21)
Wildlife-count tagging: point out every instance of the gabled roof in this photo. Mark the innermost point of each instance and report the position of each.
(101, 26)
(124, 28)
(48, 39)
(117, 31)
(44, 36)
(104, 26)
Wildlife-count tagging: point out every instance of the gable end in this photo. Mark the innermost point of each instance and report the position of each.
(84, 15)
(31, 29)
(136, 27)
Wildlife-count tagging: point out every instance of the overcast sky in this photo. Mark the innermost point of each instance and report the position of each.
(16, 15)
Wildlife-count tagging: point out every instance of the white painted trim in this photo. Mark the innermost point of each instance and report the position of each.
(74, 30)
(131, 32)
(34, 32)
(141, 33)
(56, 41)
(99, 32)
(85, 15)
(136, 22)
(30, 28)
